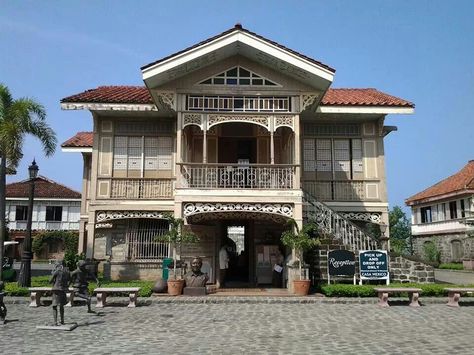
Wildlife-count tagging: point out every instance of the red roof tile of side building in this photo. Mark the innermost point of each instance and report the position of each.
(80, 140)
(238, 27)
(44, 188)
(463, 180)
(141, 95)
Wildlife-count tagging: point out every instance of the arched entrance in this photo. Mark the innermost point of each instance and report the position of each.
(250, 235)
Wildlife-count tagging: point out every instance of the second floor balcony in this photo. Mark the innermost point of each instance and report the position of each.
(237, 176)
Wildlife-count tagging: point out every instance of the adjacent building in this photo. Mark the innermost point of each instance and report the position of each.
(56, 208)
(236, 135)
(443, 214)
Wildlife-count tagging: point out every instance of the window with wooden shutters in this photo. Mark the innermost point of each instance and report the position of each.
(333, 155)
(342, 156)
(120, 153)
(323, 155)
(309, 160)
(142, 154)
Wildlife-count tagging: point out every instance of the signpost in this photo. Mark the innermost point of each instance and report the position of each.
(373, 265)
(341, 263)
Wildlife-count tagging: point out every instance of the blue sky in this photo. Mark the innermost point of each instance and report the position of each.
(420, 50)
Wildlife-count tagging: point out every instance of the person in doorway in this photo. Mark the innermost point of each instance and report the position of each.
(277, 276)
(223, 264)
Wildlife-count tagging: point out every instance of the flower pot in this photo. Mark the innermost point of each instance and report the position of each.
(301, 287)
(175, 287)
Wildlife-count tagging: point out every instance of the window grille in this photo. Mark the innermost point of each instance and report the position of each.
(337, 130)
(144, 128)
(238, 76)
(140, 239)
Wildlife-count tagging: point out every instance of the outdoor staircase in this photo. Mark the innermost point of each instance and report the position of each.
(333, 225)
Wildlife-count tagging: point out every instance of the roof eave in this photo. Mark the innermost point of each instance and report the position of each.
(384, 110)
(414, 202)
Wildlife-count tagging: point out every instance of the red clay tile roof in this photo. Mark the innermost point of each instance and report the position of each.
(44, 188)
(462, 180)
(333, 97)
(362, 97)
(238, 27)
(80, 140)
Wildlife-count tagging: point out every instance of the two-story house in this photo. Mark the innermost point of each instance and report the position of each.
(56, 207)
(236, 134)
(443, 214)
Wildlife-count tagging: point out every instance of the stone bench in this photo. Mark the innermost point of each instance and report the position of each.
(383, 292)
(37, 292)
(103, 292)
(454, 295)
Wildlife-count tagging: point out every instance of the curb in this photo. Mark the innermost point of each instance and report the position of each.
(260, 300)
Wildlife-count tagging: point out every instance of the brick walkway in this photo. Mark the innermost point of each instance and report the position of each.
(244, 325)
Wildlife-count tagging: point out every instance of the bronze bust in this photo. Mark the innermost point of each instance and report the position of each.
(196, 278)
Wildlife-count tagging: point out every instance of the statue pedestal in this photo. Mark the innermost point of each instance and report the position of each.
(63, 327)
(194, 291)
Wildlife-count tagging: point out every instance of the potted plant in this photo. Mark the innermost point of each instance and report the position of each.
(300, 240)
(177, 235)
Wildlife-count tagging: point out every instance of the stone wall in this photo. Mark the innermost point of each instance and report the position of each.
(401, 269)
(404, 270)
(132, 271)
(450, 252)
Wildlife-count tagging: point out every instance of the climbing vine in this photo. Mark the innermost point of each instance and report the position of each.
(70, 240)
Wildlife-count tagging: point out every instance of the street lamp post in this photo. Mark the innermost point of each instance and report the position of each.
(25, 271)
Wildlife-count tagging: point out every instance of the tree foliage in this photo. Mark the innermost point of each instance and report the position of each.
(18, 118)
(300, 239)
(400, 231)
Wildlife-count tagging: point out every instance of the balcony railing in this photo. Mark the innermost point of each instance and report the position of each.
(228, 176)
(336, 190)
(141, 188)
(448, 226)
(45, 225)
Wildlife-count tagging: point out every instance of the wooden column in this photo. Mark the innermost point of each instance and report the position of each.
(204, 140)
(297, 183)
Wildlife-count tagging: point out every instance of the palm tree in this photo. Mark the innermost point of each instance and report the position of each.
(18, 118)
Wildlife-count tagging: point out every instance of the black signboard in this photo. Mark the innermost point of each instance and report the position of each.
(373, 264)
(341, 263)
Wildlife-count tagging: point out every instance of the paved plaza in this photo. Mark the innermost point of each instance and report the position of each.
(252, 328)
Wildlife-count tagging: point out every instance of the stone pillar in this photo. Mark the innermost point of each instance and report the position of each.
(90, 235)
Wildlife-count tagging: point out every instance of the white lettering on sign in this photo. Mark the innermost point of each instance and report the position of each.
(339, 263)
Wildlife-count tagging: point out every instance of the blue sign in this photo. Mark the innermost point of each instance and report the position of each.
(373, 264)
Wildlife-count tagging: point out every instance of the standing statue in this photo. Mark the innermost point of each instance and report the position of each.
(3, 309)
(80, 282)
(60, 279)
(196, 278)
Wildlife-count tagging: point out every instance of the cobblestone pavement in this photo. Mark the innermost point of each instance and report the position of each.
(252, 328)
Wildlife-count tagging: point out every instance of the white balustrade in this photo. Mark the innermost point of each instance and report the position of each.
(225, 176)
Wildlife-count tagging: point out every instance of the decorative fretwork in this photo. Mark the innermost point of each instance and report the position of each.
(259, 120)
(285, 120)
(194, 208)
(336, 225)
(198, 218)
(103, 216)
(307, 100)
(167, 100)
(372, 217)
(192, 119)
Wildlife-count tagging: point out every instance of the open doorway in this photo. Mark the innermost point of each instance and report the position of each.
(238, 252)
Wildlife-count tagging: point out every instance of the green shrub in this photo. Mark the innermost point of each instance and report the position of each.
(145, 291)
(12, 289)
(431, 252)
(451, 266)
(70, 240)
(345, 290)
